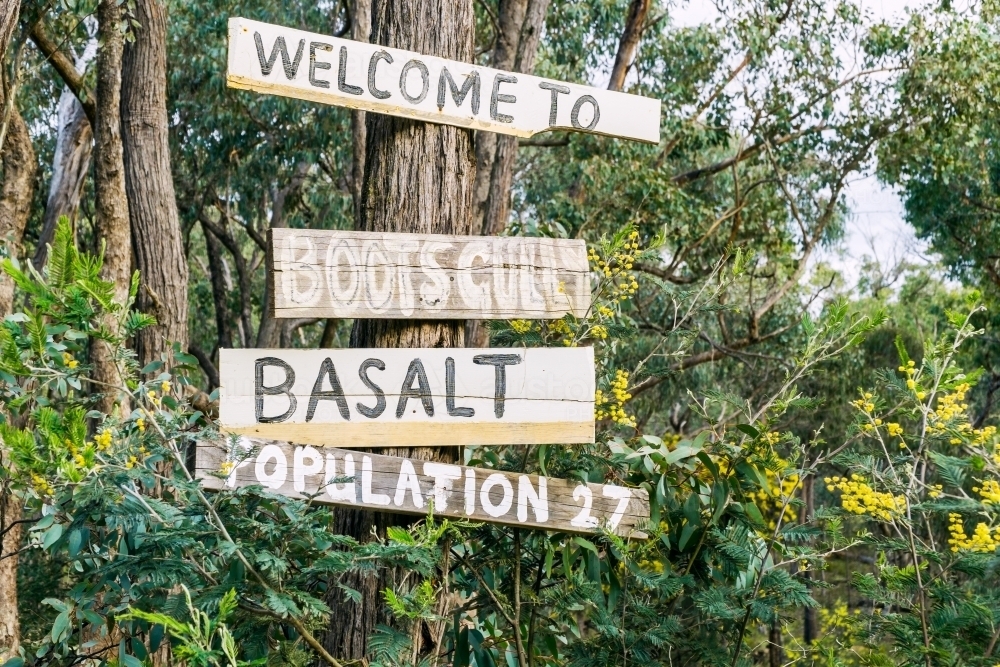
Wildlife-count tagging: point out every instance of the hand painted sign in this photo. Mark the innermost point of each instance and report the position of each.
(272, 59)
(319, 273)
(410, 397)
(390, 483)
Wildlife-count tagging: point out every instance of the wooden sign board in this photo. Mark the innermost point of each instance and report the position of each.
(320, 273)
(409, 397)
(283, 61)
(411, 486)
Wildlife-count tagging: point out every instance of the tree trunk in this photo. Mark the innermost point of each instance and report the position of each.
(156, 230)
(18, 170)
(221, 288)
(17, 157)
(775, 648)
(520, 30)
(361, 28)
(810, 624)
(629, 42)
(419, 177)
(10, 542)
(111, 207)
(71, 162)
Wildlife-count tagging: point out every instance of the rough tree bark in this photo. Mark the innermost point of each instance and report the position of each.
(418, 178)
(17, 159)
(629, 42)
(111, 206)
(157, 241)
(520, 31)
(520, 24)
(361, 28)
(71, 162)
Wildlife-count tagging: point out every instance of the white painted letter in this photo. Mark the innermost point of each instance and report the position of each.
(301, 469)
(367, 496)
(435, 295)
(496, 479)
(622, 495)
(475, 295)
(295, 269)
(408, 480)
(276, 479)
(347, 297)
(377, 299)
(470, 492)
(348, 491)
(443, 475)
(539, 500)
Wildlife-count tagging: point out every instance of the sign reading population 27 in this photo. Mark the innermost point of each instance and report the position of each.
(273, 59)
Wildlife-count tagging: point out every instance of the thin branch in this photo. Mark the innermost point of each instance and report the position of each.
(66, 70)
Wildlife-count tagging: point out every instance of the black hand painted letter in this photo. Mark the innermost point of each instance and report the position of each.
(500, 361)
(342, 84)
(574, 116)
(449, 383)
(336, 392)
(291, 67)
(497, 98)
(445, 82)
(555, 89)
(260, 391)
(314, 65)
(372, 66)
(422, 390)
(372, 413)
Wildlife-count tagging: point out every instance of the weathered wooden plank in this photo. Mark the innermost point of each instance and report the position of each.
(273, 59)
(395, 484)
(409, 397)
(321, 273)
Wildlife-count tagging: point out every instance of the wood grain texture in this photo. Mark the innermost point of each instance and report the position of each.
(157, 238)
(411, 84)
(412, 486)
(320, 273)
(409, 397)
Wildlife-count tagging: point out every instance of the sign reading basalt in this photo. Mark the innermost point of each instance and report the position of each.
(409, 397)
(319, 273)
(389, 483)
(273, 59)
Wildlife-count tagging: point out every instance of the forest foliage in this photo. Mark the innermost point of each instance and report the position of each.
(820, 449)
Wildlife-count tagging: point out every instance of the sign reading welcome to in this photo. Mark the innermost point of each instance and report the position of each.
(320, 273)
(389, 483)
(409, 397)
(272, 59)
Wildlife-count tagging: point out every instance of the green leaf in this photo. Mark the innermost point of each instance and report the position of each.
(52, 535)
(60, 626)
(749, 430)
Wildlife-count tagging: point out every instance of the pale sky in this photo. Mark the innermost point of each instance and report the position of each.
(877, 227)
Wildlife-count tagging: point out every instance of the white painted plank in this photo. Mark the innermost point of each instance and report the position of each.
(410, 397)
(411, 486)
(322, 273)
(357, 75)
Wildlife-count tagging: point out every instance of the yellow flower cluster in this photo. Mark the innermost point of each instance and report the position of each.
(69, 361)
(521, 326)
(990, 491)
(950, 407)
(864, 403)
(618, 266)
(41, 485)
(860, 498)
(894, 429)
(769, 503)
(982, 540)
(562, 328)
(141, 424)
(599, 331)
(103, 440)
(911, 383)
(935, 491)
(612, 407)
(133, 461)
